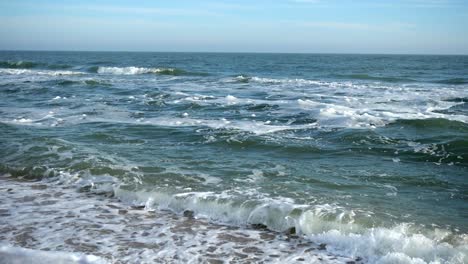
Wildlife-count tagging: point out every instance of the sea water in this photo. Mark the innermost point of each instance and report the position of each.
(367, 154)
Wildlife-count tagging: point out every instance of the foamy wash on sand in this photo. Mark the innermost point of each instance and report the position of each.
(367, 154)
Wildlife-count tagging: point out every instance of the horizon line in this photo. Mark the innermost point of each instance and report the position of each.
(240, 52)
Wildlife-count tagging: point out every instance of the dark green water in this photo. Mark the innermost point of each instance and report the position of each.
(354, 144)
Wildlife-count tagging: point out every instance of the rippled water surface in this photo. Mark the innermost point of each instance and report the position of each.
(344, 148)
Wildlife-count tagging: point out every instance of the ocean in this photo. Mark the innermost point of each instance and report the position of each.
(366, 156)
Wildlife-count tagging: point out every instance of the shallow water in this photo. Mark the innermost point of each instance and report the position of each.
(103, 230)
(366, 153)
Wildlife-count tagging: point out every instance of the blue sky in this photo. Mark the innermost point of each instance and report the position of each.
(317, 26)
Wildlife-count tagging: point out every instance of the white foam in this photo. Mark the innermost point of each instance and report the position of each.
(285, 81)
(131, 70)
(38, 72)
(231, 99)
(325, 223)
(253, 126)
(340, 229)
(16, 255)
(360, 104)
(55, 217)
(384, 245)
(370, 113)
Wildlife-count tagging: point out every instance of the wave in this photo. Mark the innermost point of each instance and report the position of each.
(11, 254)
(254, 127)
(342, 230)
(131, 70)
(38, 72)
(30, 65)
(58, 66)
(299, 81)
(373, 78)
(247, 79)
(457, 100)
(18, 64)
(453, 81)
(90, 82)
(431, 124)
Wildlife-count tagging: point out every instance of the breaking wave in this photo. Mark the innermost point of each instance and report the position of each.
(344, 231)
(131, 70)
(18, 64)
(38, 72)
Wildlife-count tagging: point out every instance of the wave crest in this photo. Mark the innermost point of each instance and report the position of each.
(18, 64)
(38, 72)
(131, 70)
(342, 230)
(453, 81)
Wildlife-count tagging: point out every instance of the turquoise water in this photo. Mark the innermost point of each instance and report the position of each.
(354, 144)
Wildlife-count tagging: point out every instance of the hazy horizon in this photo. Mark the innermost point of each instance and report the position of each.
(237, 52)
(289, 26)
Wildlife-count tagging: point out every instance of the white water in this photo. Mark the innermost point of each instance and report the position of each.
(131, 70)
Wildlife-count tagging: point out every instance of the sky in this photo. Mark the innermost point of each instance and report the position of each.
(296, 26)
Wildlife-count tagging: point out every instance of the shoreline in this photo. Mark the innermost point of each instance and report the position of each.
(57, 218)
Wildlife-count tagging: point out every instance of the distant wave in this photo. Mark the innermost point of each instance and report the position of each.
(397, 79)
(30, 65)
(433, 124)
(90, 82)
(299, 81)
(375, 78)
(247, 79)
(18, 64)
(132, 70)
(38, 72)
(453, 81)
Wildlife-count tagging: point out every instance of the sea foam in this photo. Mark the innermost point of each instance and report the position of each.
(16, 255)
(328, 224)
(134, 70)
(38, 72)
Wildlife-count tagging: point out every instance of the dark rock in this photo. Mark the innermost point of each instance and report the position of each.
(240, 255)
(215, 261)
(322, 247)
(267, 236)
(291, 231)
(230, 238)
(188, 213)
(122, 211)
(39, 187)
(211, 249)
(259, 226)
(86, 188)
(252, 250)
